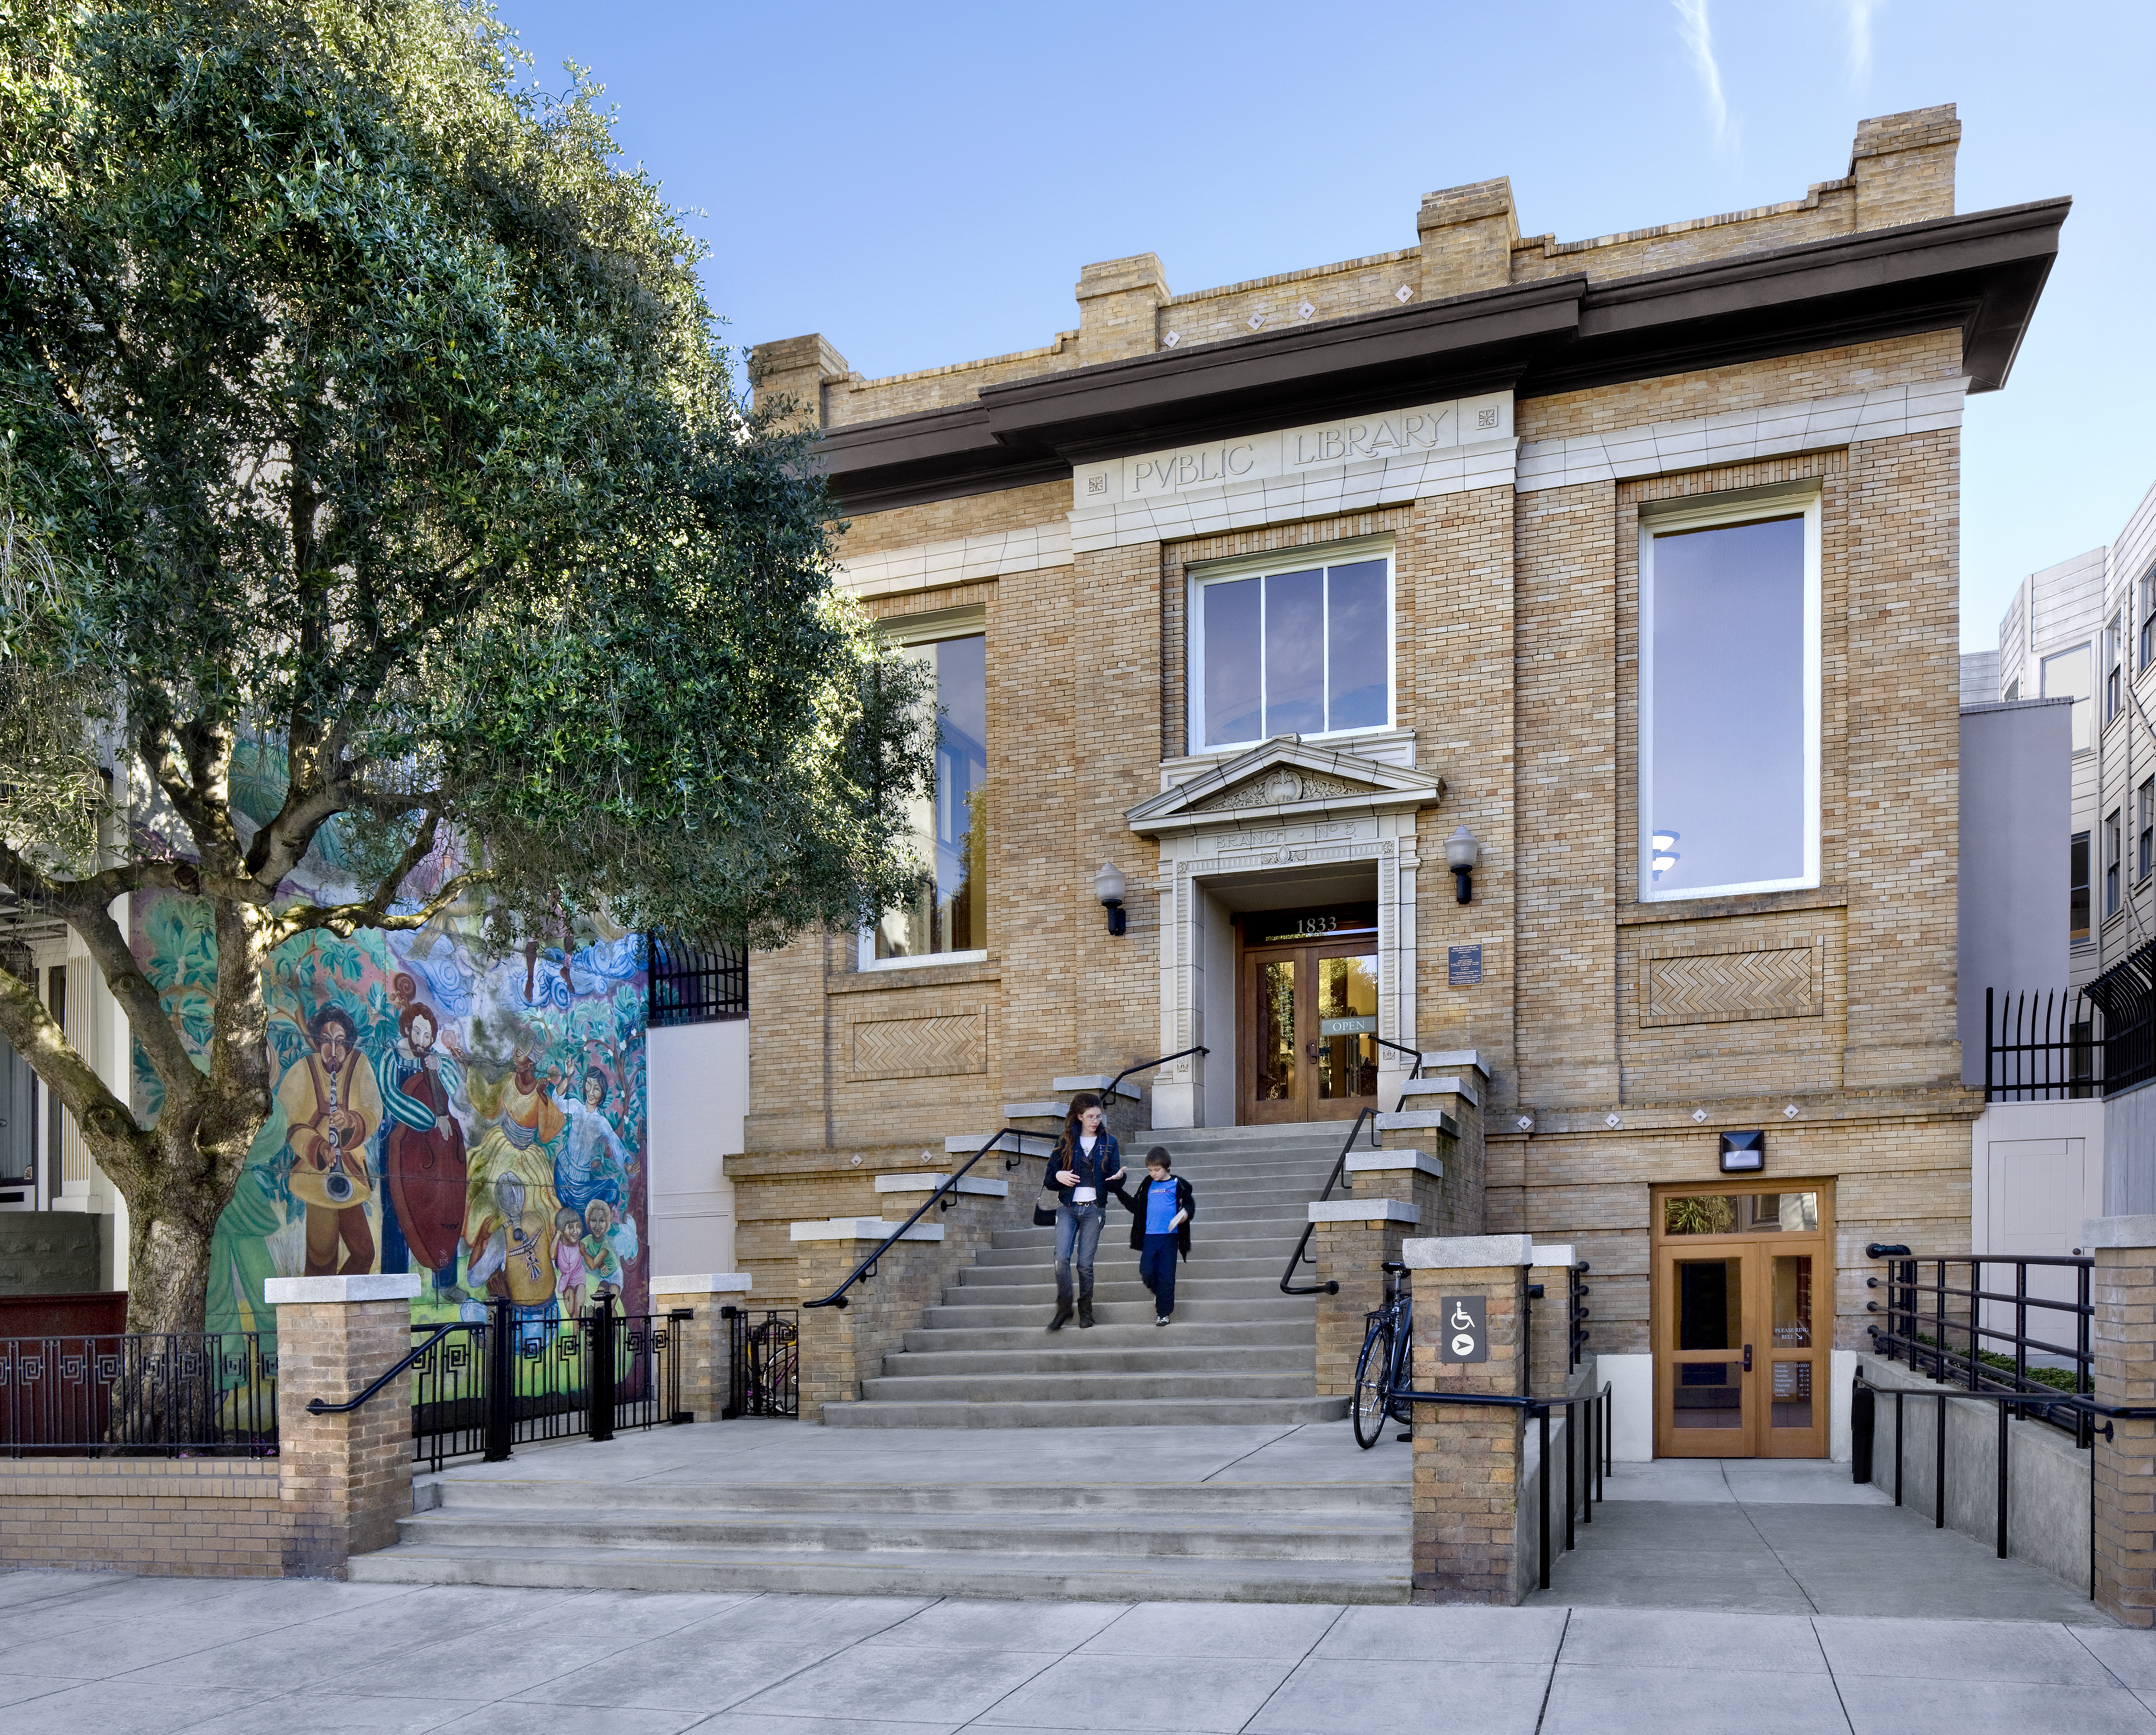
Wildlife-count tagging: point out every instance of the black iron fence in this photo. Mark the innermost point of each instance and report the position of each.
(2042, 1047)
(690, 985)
(2018, 1327)
(2060, 1044)
(185, 1394)
(481, 1388)
(763, 1362)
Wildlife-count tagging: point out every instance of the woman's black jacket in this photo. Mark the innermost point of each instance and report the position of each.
(1186, 1202)
(1102, 1171)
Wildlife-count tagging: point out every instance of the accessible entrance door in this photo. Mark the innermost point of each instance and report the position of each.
(1308, 1016)
(1744, 1313)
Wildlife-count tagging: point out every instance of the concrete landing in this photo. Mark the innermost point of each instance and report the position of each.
(1753, 1537)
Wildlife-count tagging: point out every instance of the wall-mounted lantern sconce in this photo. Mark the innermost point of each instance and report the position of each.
(1108, 887)
(1744, 1153)
(1461, 853)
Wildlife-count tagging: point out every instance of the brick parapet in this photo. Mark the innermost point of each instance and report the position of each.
(200, 1517)
(1351, 1255)
(2123, 1518)
(345, 1479)
(1467, 1459)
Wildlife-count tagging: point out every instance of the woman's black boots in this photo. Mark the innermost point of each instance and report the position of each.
(1063, 1317)
(1084, 1313)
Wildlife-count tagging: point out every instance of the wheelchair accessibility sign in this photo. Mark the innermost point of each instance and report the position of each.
(1464, 1335)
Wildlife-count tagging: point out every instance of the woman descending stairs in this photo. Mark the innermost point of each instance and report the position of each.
(1237, 1351)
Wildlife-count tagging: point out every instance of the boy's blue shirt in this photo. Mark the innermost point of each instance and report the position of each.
(1160, 1206)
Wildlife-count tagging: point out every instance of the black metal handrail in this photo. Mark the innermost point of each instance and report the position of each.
(1288, 1285)
(1401, 1048)
(2007, 1403)
(1147, 1066)
(1300, 1256)
(1598, 1432)
(944, 1192)
(316, 1407)
(1942, 1329)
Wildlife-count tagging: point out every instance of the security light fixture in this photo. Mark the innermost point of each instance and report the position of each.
(1108, 887)
(1744, 1153)
(1461, 853)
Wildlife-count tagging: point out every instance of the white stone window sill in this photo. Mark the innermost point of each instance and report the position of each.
(925, 961)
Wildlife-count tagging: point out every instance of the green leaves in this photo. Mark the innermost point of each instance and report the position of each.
(377, 417)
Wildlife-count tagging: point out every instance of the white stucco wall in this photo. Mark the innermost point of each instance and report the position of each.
(699, 1097)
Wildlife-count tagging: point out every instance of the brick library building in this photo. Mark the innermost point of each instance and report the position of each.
(1492, 703)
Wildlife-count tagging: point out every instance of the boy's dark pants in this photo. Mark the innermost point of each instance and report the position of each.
(1156, 1266)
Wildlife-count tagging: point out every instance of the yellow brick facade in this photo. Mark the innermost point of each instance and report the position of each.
(1516, 668)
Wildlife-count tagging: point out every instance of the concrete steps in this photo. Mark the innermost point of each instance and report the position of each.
(1272, 1542)
(1236, 1351)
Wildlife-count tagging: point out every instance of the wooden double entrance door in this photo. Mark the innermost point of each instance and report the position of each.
(1743, 1319)
(1307, 1015)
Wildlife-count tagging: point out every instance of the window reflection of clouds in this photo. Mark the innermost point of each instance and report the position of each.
(1728, 704)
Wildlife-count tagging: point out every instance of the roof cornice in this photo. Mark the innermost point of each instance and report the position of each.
(1982, 273)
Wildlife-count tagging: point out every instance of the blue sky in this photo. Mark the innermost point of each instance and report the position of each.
(922, 183)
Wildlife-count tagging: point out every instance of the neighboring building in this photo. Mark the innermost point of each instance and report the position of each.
(2048, 645)
(1635, 557)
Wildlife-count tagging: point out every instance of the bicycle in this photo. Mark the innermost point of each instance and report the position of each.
(1384, 1368)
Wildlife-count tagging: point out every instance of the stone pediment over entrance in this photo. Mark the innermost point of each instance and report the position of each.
(1283, 780)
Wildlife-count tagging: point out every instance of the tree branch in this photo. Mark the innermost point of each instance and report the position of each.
(106, 1123)
(345, 919)
(147, 1018)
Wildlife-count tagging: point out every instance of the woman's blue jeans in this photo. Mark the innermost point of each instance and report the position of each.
(1077, 1231)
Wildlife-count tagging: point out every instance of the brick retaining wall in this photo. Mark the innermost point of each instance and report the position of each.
(184, 1517)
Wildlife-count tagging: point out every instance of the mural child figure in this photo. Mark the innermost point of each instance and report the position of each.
(423, 1156)
(513, 1255)
(569, 1261)
(609, 1243)
(332, 1108)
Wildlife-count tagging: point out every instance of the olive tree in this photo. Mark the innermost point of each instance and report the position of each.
(360, 413)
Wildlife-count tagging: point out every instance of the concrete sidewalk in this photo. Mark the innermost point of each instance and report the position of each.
(90, 1654)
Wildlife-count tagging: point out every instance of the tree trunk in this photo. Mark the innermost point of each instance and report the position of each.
(168, 1268)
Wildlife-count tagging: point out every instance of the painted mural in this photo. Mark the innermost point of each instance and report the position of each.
(479, 1121)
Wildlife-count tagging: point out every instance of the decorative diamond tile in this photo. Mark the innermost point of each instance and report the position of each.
(1403, 293)
(1791, 1111)
(1527, 1123)
(1699, 1114)
(1255, 320)
(1306, 310)
(1612, 1122)
(1173, 339)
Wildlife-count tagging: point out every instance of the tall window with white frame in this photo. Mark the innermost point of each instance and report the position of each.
(2144, 825)
(2111, 863)
(2065, 674)
(948, 916)
(2077, 888)
(1299, 643)
(2114, 645)
(1729, 694)
(2148, 617)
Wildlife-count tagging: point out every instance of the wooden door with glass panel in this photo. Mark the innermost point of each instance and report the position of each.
(1742, 1320)
(1310, 1025)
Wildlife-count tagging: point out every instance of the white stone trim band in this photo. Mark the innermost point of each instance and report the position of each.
(1378, 1162)
(1364, 1210)
(919, 1183)
(370, 1286)
(1740, 436)
(1440, 1253)
(861, 1229)
(707, 1283)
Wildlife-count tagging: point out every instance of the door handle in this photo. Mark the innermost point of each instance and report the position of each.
(1316, 1051)
(1748, 1358)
